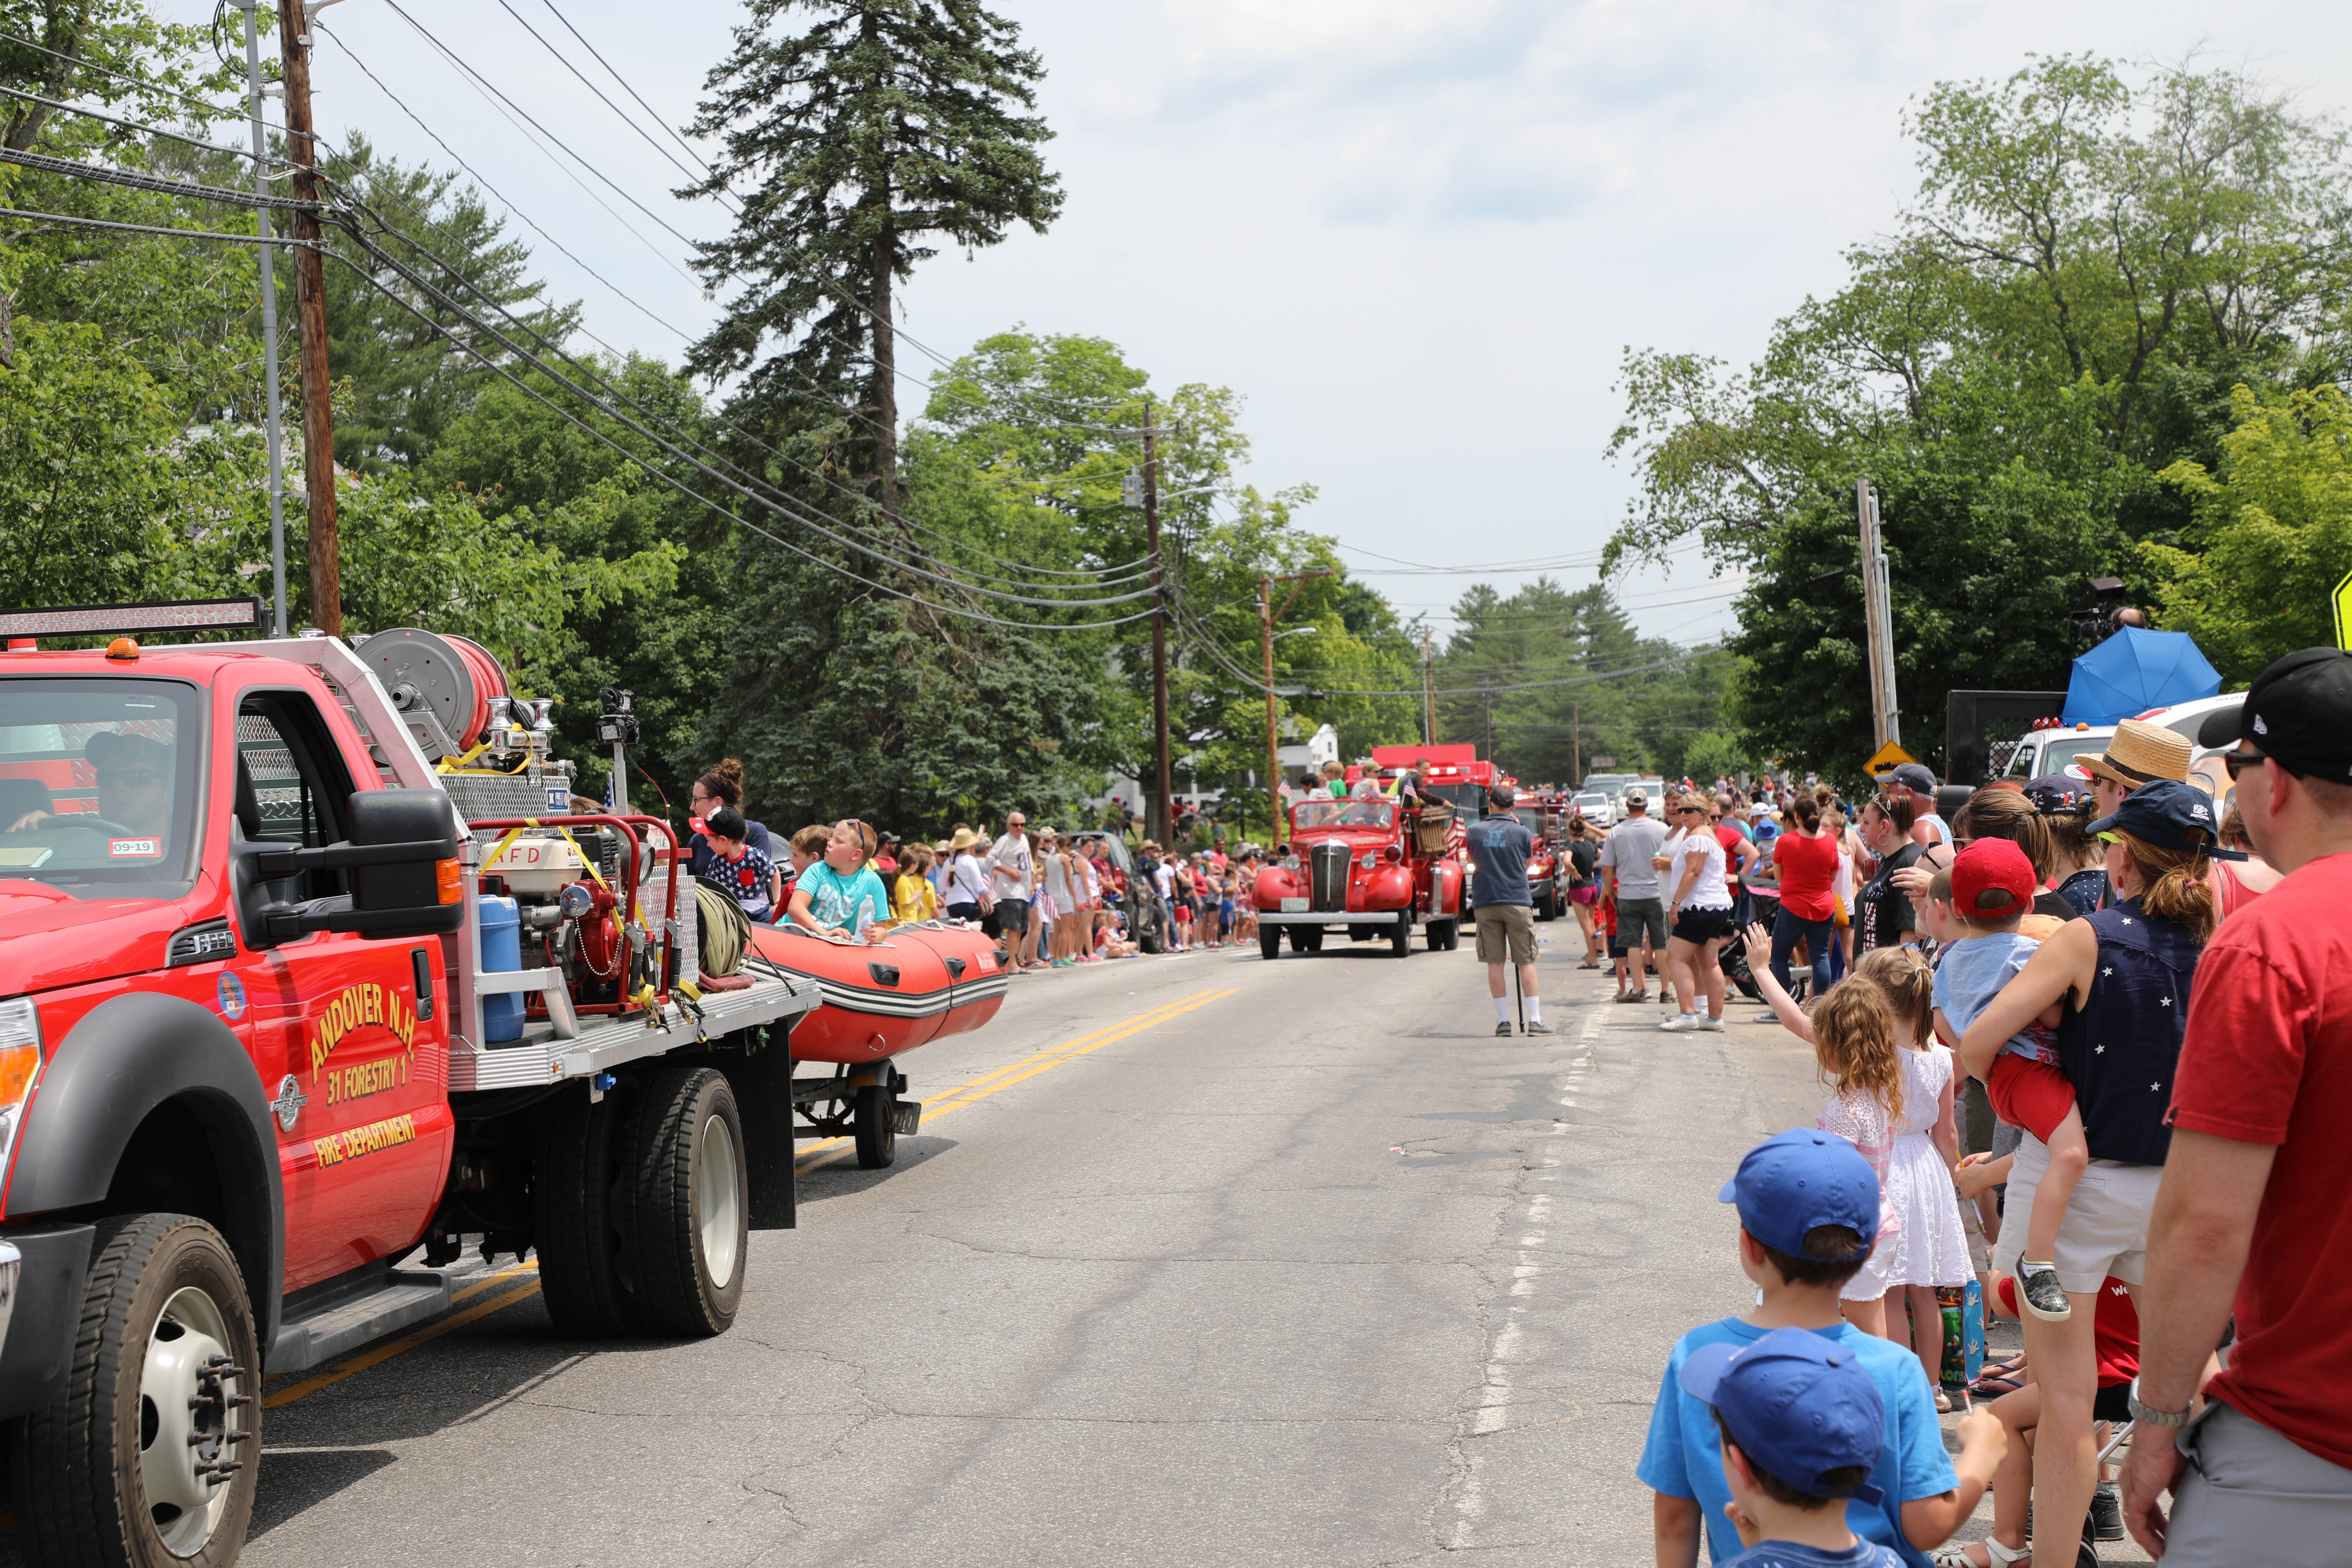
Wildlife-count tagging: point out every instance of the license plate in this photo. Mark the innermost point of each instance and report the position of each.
(1293, 906)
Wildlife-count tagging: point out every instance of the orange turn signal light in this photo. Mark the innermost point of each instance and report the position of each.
(451, 878)
(17, 1065)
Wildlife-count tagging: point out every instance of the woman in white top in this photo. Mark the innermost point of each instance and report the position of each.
(1700, 897)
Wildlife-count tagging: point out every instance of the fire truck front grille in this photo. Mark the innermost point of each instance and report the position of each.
(1327, 884)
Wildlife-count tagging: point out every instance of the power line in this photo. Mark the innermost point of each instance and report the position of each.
(187, 189)
(608, 102)
(500, 102)
(127, 124)
(793, 512)
(151, 229)
(632, 92)
(141, 83)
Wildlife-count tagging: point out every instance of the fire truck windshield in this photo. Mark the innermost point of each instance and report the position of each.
(99, 785)
(1309, 814)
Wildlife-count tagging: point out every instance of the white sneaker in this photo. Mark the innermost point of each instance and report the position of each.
(1712, 1025)
(1681, 1022)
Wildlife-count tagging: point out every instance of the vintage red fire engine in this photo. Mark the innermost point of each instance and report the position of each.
(1370, 868)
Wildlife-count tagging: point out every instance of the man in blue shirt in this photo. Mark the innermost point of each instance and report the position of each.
(1502, 908)
(1808, 1217)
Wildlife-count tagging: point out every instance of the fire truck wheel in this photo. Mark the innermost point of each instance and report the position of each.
(148, 1452)
(1306, 938)
(877, 1134)
(1444, 936)
(579, 1211)
(692, 1198)
(1269, 942)
(1401, 935)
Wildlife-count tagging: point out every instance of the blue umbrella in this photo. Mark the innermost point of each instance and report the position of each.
(2134, 670)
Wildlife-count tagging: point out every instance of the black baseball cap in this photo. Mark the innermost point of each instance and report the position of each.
(1502, 794)
(2298, 711)
(2168, 814)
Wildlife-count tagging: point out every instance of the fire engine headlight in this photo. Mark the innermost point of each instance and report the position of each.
(20, 1064)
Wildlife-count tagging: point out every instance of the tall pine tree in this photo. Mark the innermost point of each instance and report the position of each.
(859, 137)
(882, 128)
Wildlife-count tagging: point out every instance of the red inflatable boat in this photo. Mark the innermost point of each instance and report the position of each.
(920, 982)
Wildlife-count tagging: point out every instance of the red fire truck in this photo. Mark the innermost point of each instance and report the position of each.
(1371, 867)
(306, 963)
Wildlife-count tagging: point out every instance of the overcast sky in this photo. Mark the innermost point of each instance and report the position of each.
(1417, 235)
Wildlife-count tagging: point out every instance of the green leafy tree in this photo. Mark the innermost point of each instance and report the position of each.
(2089, 265)
(2273, 536)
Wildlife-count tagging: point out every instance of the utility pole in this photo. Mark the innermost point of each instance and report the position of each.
(310, 319)
(1575, 745)
(1878, 617)
(1163, 814)
(1265, 615)
(269, 331)
(1428, 695)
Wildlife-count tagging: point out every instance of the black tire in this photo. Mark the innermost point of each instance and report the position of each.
(1269, 942)
(690, 1191)
(1543, 905)
(1444, 936)
(1401, 935)
(878, 1137)
(88, 1462)
(581, 1215)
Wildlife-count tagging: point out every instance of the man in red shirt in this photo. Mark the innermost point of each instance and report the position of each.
(2254, 1216)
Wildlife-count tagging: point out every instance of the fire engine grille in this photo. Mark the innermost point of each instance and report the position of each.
(1326, 886)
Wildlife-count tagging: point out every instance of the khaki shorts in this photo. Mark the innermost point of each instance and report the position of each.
(1505, 925)
(2104, 1229)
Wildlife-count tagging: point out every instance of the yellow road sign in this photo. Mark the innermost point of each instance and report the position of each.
(1889, 757)
(2343, 612)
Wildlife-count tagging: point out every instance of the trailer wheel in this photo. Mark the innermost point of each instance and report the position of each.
(692, 1200)
(877, 1128)
(1269, 942)
(580, 1212)
(1401, 937)
(149, 1450)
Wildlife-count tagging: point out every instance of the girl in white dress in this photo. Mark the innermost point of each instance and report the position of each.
(1932, 1249)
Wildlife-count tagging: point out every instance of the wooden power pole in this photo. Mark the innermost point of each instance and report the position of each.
(310, 319)
(1428, 695)
(1163, 810)
(1879, 618)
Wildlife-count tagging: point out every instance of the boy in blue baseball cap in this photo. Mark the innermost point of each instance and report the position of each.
(1808, 1206)
(1801, 1424)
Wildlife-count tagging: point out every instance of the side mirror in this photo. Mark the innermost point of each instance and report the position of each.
(406, 879)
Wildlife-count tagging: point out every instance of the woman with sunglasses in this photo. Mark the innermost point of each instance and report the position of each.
(841, 892)
(1884, 914)
(1694, 863)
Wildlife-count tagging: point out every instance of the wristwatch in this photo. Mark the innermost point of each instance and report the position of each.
(2151, 1416)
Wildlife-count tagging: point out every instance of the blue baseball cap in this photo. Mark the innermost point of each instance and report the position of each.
(1797, 1404)
(2164, 813)
(1796, 1180)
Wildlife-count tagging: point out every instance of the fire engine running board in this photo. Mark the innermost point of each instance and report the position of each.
(371, 1308)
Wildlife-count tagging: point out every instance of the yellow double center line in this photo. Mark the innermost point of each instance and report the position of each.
(495, 1288)
(1004, 1078)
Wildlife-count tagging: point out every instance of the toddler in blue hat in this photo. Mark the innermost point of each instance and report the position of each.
(1801, 1424)
(1808, 1215)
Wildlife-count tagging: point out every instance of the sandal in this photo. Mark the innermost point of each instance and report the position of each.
(2001, 1556)
(1589, 963)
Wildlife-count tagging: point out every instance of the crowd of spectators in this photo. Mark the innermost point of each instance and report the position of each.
(2096, 1023)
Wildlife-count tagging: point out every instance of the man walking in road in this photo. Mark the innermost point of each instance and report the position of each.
(1502, 908)
(1628, 877)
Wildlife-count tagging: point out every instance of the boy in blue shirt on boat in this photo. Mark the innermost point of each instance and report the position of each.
(1808, 1217)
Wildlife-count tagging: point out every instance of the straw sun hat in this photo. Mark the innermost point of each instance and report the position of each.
(2140, 752)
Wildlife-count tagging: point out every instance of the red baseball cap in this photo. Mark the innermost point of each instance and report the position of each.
(1990, 864)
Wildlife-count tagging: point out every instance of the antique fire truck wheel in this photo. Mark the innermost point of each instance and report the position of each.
(149, 1450)
(1401, 935)
(1444, 936)
(1269, 942)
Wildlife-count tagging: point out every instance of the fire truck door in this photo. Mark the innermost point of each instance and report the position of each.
(359, 1062)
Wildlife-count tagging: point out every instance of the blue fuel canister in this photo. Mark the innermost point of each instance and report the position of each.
(501, 951)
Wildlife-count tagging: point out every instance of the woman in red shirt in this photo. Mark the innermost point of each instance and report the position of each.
(1805, 862)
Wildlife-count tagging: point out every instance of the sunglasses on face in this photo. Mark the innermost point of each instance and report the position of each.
(2238, 762)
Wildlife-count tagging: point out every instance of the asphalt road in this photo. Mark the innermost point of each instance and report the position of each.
(1283, 1263)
